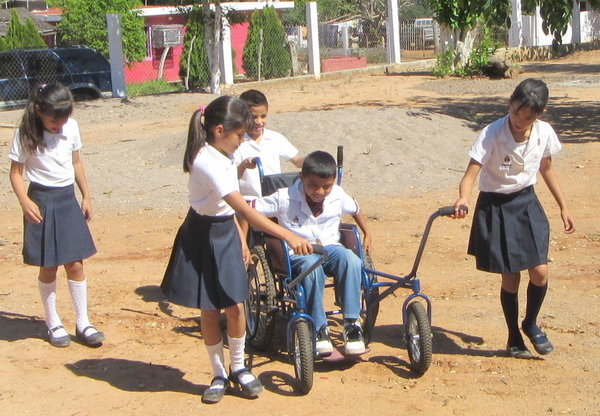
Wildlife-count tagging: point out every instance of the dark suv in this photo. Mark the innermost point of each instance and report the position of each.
(83, 70)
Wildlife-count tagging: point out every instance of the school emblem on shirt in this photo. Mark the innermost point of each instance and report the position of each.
(506, 164)
(295, 222)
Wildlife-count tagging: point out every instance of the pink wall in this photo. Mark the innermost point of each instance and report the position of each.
(147, 69)
(239, 34)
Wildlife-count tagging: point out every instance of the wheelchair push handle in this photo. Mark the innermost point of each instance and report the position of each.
(319, 249)
(449, 210)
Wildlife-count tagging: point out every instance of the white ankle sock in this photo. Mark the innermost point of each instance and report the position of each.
(215, 353)
(48, 294)
(79, 296)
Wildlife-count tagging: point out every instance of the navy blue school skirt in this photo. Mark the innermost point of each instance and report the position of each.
(63, 236)
(206, 269)
(510, 232)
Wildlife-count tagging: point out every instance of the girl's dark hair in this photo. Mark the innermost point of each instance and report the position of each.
(254, 98)
(532, 93)
(319, 163)
(229, 112)
(53, 100)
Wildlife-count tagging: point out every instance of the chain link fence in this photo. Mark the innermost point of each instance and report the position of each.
(265, 44)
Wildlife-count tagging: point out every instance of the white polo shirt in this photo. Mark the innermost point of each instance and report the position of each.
(272, 146)
(213, 177)
(508, 166)
(290, 208)
(54, 166)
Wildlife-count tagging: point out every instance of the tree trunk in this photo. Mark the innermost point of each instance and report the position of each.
(459, 40)
(212, 28)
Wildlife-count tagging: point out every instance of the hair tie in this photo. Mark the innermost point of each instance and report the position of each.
(42, 86)
(202, 109)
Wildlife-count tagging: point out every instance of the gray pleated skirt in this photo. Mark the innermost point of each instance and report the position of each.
(510, 232)
(63, 236)
(206, 269)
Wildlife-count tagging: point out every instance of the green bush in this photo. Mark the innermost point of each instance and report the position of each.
(275, 60)
(194, 51)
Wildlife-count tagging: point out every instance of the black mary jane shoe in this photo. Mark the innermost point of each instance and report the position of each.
(59, 342)
(216, 391)
(541, 343)
(250, 389)
(93, 340)
(518, 352)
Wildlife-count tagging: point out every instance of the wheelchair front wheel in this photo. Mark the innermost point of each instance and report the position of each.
(303, 355)
(261, 303)
(418, 337)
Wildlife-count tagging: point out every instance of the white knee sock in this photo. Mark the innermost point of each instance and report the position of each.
(237, 355)
(79, 296)
(48, 294)
(215, 353)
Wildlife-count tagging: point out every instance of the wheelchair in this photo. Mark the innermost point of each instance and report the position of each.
(274, 292)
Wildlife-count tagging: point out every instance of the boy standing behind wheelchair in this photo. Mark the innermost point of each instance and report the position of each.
(260, 142)
(312, 208)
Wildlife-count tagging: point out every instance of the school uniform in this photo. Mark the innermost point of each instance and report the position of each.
(63, 235)
(292, 211)
(271, 148)
(206, 269)
(510, 230)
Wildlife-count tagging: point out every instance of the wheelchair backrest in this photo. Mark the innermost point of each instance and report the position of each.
(350, 238)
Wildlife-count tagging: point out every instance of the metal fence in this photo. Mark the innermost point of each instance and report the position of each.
(262, 48)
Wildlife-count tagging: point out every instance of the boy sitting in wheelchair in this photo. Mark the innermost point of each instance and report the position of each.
(312, 207)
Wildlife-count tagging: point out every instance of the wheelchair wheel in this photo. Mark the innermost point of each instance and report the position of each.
(418, 337)
(370, 308)
(260, 317)
(303, 355)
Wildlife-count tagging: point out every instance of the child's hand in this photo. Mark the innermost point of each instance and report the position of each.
(32, 212)
(367, 243)
(458, 212)
(300, 245)
(568, 221)
(246, 254)
(249, 163)
(86, 208)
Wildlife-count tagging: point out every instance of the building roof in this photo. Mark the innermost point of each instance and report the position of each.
(5, 15)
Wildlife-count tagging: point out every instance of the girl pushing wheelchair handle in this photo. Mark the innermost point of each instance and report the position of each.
(510, 231)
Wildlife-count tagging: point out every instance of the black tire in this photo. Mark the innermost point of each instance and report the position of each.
(260, 306)
(302, 355)
(370, 308)
(418, 337)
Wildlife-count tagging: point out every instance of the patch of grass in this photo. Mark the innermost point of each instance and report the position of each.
(153, 87)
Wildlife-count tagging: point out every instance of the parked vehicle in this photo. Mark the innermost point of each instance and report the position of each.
(81, 69)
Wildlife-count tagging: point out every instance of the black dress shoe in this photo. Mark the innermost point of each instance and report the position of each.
(251, 388)
(541, 343)
(216, 391)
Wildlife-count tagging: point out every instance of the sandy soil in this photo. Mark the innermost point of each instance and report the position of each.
(405, 139)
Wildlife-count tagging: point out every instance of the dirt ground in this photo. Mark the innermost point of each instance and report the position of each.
(406, 136)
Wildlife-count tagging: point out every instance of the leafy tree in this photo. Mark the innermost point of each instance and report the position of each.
(84, 23)
(265, 53)
(462, 20)
(22, 34)
(328, 9)
(3, 45)
(194, 60)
